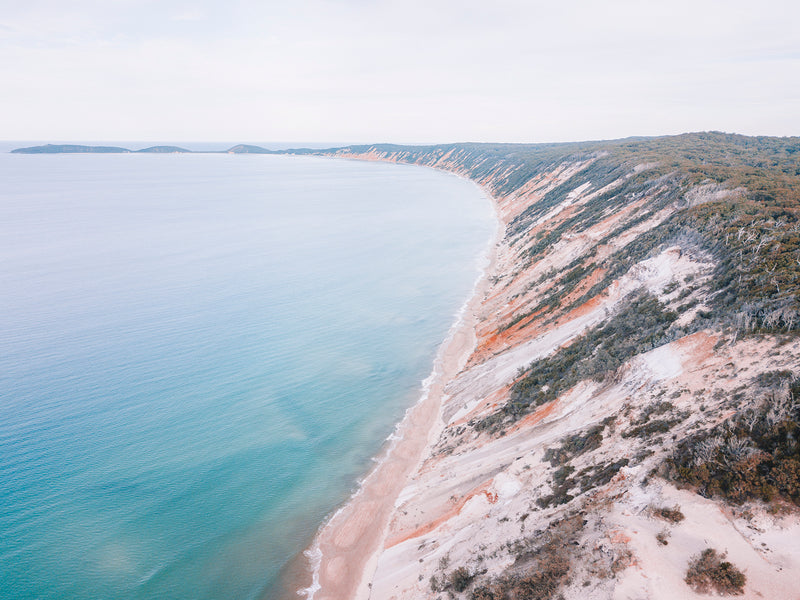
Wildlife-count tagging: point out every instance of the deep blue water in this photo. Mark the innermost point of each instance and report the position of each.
(199, 354)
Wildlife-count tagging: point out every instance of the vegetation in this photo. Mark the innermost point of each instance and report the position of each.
(639, 325)
(588, 478)
(710, 572)
(600, 474)
(575, 445)
(761, 163)
(457, 580)
(753, 237)
(673, 515)
(541, 568)
(753, 455)
(753, 234)
(460, 579)
(653, 427)
(732, 200)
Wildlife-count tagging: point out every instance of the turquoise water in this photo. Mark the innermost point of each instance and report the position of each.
(199, 354)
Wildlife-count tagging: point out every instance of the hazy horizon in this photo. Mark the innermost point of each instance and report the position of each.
(222, 145)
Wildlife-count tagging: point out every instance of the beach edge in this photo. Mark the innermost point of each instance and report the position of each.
(340, 561)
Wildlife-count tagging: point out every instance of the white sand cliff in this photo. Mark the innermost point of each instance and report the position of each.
(449, 495)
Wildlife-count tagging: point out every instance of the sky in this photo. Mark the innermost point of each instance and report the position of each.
(417, 71)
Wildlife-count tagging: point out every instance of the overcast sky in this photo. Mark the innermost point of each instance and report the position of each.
(410, 71)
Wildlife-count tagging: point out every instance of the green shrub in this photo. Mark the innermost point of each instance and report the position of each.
(673, 514)
(709, 572)
(460, 579)
(539, 571)
(652, 428)
(601, 474)
(753, 455)
(575, 445)
(640, 324)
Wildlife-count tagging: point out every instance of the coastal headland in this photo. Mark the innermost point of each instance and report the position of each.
(605, 422)
(616, 413)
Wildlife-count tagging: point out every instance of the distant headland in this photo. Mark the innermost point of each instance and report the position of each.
(78, 149)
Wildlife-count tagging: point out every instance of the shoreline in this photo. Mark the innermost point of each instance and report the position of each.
(339, 562)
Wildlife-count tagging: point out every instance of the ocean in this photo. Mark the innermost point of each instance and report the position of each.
(201, 353)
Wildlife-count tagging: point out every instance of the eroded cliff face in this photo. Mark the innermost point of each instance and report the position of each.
(636, 352)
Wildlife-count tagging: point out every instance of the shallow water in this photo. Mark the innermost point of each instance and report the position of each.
(199, 354)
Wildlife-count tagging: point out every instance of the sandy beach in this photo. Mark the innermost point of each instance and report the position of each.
(344, 553)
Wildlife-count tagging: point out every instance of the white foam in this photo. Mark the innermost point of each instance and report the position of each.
(314, 556)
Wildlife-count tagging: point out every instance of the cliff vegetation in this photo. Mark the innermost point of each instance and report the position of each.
(632, 398)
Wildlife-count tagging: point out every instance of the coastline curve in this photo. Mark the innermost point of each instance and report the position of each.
(345, 550)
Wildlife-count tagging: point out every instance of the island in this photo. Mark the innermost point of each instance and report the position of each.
(69, 149)
(81, 149)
